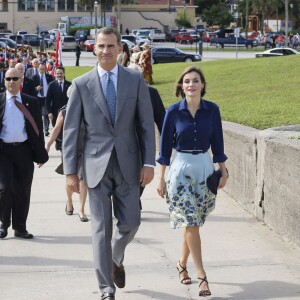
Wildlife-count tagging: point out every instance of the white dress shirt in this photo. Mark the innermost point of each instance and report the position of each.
(13, 130)
(103, 77)
(45, 86)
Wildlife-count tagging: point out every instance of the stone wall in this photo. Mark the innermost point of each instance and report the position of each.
(264, 168)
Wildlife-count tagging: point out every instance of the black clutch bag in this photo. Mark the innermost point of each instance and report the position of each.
(213, 181)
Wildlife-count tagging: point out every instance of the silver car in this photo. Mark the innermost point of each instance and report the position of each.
(68, 43)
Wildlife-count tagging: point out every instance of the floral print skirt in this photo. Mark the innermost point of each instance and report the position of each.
(188, 198)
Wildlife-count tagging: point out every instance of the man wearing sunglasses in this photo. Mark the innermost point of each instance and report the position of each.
(21, 143)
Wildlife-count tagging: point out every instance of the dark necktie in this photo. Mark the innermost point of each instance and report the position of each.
(111, 97)
(26, 114)
(61, 86)
(42, 89)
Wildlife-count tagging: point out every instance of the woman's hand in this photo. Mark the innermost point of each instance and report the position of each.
(161, 188)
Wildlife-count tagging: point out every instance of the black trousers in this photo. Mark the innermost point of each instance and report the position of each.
(77, 60)
(16, 173)
(43, 108)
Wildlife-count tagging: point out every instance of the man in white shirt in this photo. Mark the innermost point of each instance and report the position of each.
(18, 137)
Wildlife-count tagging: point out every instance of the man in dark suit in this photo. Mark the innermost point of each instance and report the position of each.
(41, 83)
(26, 64)
(113, 103)
(34, 70)
(21, 143)
(78, 52)
(27, 85)
(57, 94)
(2, 76)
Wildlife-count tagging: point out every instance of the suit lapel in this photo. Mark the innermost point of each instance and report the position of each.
(2, 106)
(96, 91)
(121, 91)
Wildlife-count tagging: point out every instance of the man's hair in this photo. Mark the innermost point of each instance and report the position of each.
(61, 68)
(110, 30)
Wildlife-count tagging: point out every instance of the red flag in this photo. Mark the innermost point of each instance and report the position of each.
(58, 51)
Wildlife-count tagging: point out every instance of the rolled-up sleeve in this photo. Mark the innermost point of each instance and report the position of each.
(166, 139)
(217, 141)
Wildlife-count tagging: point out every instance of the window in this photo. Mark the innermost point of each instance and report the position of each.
(61, 5)
(26, 5)
(3, 5)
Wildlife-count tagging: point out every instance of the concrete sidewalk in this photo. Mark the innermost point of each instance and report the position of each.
(242, 257)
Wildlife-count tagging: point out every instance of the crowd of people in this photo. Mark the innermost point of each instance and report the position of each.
(107, 139)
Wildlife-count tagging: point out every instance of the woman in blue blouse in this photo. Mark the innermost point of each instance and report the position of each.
(191, 126)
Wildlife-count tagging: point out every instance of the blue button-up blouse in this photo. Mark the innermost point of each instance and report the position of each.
(183, 132)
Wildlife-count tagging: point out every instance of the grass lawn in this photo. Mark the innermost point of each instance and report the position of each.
(260, 93)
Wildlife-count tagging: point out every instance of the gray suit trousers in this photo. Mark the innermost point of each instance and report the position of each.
(112, 193)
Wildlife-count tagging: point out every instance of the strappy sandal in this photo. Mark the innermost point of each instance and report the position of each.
(186, 280)
(204, 293)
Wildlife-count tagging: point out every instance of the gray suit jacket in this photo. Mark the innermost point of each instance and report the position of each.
(132, 136)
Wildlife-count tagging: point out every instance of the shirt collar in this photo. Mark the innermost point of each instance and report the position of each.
(9, 96)
(102, 72)
(182, 104)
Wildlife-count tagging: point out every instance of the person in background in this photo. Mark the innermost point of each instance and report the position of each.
(57, 94)
(145, 63)
(78, 53)
(191, 126)
(21, 143)
(113, 103)
(27, 84)
(41, 83)
(126, 55)
(2, 77)
(34, 70)
(57, 133)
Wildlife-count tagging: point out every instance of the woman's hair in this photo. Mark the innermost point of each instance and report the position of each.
(126, 49)
(179, 90)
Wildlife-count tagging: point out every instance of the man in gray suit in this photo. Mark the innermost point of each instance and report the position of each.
(119, 153)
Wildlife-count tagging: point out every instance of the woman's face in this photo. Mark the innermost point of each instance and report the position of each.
(192, 85)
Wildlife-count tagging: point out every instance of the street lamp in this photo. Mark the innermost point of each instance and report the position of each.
(96, 17)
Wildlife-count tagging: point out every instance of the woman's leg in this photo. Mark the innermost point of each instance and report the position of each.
(82, 199)
(192, 236)
(181, 265)
(69, 196)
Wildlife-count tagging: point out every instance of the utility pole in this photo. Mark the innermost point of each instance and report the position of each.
(286, 7)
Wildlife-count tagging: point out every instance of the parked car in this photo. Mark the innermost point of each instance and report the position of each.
(129, 37)
(207, 36)
(184, 38)
(231, 41)
(9, 43)
(81, 35)
(171, 35)
(88, 45)
(157, 35)
(68, 43)
(275, 52)
(17, 38)
(168, 55)
(267, 40)
(31, 39)
(129, 44)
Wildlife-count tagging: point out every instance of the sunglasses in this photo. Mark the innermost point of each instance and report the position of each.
(12, 78)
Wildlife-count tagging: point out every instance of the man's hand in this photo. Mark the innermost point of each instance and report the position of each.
(72, 182)
(50, 116)
(147, 175)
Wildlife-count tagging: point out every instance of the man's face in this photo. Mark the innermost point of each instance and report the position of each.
(13, 86)
(60, 75)
(35, 64)
(42, 69)
(20, 68)
(107, 50)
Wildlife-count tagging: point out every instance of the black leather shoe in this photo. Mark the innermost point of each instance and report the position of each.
(3, 232)
(108, 296)
(119, 275)
(23, 234)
